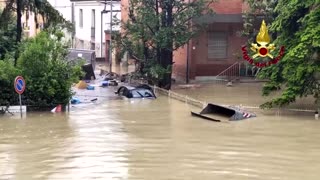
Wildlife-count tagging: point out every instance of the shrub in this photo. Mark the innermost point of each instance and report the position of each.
(7, 75)
(47, 73)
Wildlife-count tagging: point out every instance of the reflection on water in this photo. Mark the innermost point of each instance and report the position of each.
(145, 139)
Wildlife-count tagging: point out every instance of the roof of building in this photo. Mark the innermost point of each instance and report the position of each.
(218, 18)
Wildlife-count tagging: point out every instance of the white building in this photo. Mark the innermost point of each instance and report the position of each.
(88, 17)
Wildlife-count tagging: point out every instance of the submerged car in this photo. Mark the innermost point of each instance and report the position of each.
(141, 91)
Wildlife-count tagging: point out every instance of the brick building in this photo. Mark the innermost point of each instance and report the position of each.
(216, 48)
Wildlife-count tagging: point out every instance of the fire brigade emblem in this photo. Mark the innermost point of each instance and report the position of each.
(263, 49)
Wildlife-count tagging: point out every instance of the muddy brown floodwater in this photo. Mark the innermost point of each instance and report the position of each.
(246, 94)
(145, 139)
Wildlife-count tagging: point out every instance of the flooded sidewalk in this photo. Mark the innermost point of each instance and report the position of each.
(245, 94)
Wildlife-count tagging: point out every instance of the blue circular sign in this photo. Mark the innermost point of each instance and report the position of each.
(19, 84)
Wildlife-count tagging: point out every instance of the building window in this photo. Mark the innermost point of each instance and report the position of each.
(93, 24)
(93, 18)
(93, 46)
(217, 45)
(81, 18)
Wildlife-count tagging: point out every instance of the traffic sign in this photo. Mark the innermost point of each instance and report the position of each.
(19, 84)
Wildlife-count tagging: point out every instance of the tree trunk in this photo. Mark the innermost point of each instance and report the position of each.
(6, 13)
(19, 28)
(166, 61)
(167, 53)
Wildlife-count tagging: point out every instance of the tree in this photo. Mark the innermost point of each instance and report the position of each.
(50, 16)
(7, 74)
(257, 10)
(156, 28)
(43, 63)
(7, 36)
(297, 74)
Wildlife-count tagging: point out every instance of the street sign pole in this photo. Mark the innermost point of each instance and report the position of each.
(20, 105)
(20, 86)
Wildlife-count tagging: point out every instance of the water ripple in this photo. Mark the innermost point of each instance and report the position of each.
(159, 139)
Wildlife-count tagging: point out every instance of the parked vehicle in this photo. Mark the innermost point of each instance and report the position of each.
(89, 56)
(141, 91)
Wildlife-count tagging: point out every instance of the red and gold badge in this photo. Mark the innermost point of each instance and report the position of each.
(262, 49)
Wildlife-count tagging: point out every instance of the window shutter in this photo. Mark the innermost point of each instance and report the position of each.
(217, 45)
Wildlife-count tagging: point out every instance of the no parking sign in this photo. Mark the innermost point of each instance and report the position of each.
(19, 87)
(19, 84)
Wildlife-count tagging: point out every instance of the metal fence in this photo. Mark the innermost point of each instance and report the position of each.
(297, 107)
(236, 72)
(180, 97)
(231, 74)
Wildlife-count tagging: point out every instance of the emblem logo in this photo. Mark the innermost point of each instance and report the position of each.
(262, 49)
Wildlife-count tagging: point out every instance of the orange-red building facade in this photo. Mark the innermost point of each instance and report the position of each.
(216, 48)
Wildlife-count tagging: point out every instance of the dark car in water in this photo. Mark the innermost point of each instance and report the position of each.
(141, 91)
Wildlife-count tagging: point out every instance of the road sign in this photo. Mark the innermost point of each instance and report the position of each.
(19, 84)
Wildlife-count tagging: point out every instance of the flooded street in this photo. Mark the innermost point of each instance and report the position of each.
(145, 139)
(246, 94)
(159, 139)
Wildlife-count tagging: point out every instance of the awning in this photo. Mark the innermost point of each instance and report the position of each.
(220, 18)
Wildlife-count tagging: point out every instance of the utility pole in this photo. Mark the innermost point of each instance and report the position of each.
(101, 38)
(110, 2)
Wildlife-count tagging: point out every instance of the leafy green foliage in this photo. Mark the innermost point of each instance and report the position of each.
(7, 37)
(50, 16)
(297, 74)
(7, 75)
(258, 10)
(156, 28)
(47, 73)
(45, 69)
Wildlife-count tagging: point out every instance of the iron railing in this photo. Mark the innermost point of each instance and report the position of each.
(232, 73)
